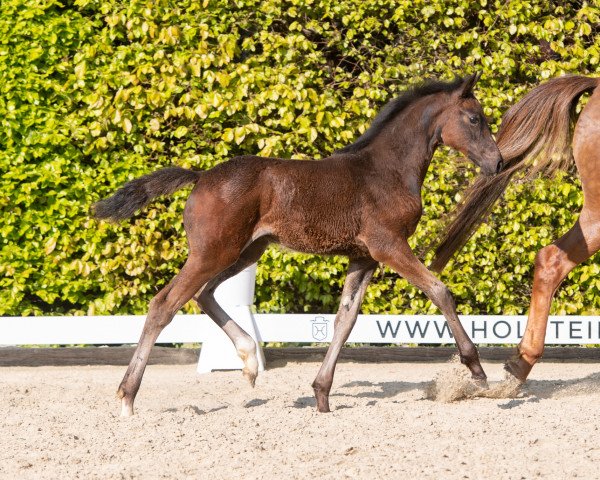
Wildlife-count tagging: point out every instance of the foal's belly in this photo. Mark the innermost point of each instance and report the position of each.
(310, 242)
(311, 208)
(337, 237)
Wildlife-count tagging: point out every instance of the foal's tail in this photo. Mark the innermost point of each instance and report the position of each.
(140, 192)
(535, 136)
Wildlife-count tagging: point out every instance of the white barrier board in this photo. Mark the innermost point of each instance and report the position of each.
(427, 329)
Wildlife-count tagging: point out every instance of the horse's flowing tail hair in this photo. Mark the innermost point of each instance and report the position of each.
(138, 193)
(534, 137)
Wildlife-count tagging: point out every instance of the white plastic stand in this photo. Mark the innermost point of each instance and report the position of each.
(235, 296)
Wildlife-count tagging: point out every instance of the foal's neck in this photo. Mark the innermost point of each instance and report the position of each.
(407, 144)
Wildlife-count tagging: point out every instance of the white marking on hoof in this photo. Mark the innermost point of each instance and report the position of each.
(248, 355)
(250, 371)
(126, 408)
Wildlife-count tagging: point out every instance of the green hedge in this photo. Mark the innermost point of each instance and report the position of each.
(95, 93)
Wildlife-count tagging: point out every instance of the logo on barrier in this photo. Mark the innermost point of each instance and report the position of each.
(319, 328)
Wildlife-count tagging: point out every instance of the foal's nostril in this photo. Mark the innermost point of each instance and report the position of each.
(500, 166)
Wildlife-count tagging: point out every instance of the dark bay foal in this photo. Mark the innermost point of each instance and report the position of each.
(364, 202)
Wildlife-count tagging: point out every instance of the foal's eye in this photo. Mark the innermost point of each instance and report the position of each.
(474, 119)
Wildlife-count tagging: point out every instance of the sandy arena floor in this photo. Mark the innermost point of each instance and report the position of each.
(62, 422)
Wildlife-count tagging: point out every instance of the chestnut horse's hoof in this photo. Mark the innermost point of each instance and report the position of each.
(516, 369)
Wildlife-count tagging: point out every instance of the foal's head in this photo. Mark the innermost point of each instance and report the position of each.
(464, 128)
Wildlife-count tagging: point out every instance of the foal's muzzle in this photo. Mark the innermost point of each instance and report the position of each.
(492, 167)
(499, 167)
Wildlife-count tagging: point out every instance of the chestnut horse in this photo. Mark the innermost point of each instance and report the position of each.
(363, 201)
(538, 128)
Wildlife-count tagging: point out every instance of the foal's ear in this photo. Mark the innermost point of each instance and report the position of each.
(466, 89)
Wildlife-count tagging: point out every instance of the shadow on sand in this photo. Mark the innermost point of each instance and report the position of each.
(588, 385)
(532, 392)
(382, 389)
(372, 390)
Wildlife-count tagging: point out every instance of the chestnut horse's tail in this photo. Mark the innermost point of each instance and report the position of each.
(535, 136)
(138, 193)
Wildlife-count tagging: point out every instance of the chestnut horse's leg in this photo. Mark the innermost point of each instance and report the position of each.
(195, 273)
(552, 264)
(360, 273)
(398, 255)
(244, 344)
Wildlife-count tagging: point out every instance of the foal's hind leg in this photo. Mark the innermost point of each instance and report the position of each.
(397, 254)
(360, 273)
(163, 307)
(552, 264)
(244, 344)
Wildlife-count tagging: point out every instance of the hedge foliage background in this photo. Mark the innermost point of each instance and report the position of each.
(95, 93)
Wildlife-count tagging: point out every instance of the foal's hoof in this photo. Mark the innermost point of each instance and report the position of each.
(250, 370)
(126, 403)
(126, 408)
(481, 383)
(322, 398)
(322, 404)
(250, 376)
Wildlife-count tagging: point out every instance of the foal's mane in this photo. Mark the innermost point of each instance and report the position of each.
(395, 106)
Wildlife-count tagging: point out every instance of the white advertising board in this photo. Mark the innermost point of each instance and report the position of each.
(425, 329)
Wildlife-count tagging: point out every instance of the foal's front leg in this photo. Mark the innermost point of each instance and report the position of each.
(397, 254)
(360, 273)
